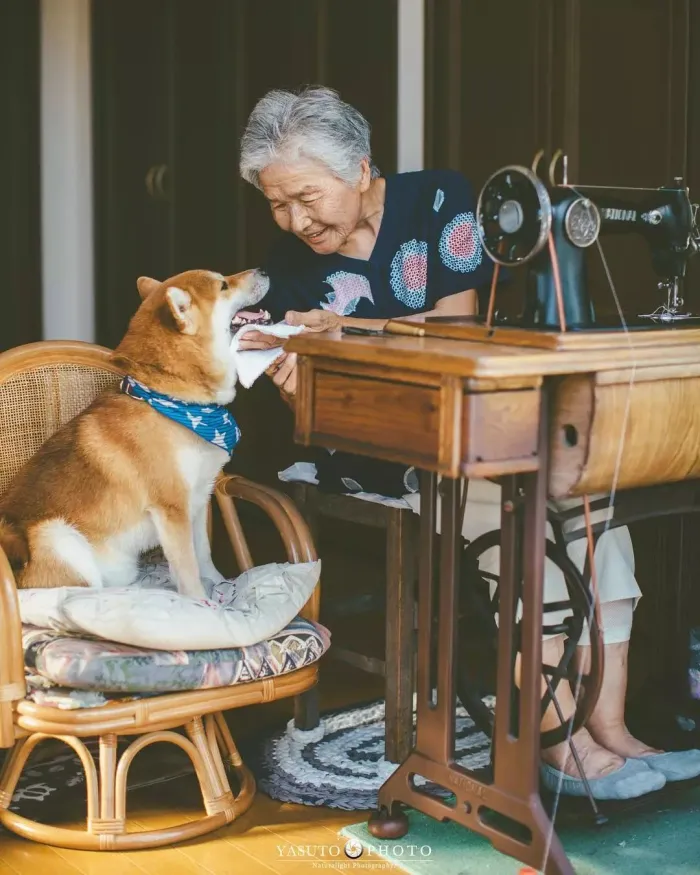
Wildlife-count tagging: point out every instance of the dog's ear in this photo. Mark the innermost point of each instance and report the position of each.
(146, 285)
(180, 303)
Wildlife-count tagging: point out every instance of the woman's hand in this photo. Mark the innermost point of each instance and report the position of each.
(312, 320)
(258, 340)
(315, 320)
(283, 372)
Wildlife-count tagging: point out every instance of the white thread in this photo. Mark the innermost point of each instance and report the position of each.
(616, 474)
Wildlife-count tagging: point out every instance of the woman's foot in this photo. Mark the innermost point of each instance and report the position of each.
(608, 775)
(607, 722)
(676, 765)
(618, 739)
(681, 765)
(634, 779)
(596, 760)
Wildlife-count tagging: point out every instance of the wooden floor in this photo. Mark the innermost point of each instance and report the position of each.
(268, 838)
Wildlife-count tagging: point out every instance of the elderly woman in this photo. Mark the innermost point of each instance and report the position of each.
(361, 248)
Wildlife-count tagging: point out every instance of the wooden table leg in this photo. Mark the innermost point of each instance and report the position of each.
(307, 705)
(400, 642)
(509, 811)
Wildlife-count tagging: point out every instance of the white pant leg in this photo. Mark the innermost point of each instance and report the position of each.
(614, 555)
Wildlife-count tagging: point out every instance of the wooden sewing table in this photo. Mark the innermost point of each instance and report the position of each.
(545, 422)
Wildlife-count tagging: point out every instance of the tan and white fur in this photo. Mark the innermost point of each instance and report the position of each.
(121, 478)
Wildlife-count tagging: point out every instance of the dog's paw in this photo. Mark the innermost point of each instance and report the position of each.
(192, 589)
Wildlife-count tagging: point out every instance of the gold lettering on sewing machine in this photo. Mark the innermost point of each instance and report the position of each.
(617, 215)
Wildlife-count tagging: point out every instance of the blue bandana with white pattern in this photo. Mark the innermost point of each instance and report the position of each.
(212, 422)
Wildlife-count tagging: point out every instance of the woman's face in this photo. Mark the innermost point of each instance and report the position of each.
(308, 200)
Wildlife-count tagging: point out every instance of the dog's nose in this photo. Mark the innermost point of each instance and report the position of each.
(261, 273)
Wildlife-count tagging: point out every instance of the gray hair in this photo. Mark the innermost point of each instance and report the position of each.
(313, 123)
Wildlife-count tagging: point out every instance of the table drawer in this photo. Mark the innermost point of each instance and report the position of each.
(434, 424)
(388, 419)
(499, 432)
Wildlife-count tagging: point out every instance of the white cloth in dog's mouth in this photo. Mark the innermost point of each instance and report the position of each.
(252, 363)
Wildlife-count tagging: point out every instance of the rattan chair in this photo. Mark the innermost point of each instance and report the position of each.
(42, 386)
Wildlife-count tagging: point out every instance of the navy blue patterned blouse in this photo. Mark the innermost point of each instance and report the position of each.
(427, 248)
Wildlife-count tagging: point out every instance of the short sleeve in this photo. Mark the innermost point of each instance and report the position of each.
(457, 259)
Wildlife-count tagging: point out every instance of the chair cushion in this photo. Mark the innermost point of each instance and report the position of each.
(104, 668)
(150, 613)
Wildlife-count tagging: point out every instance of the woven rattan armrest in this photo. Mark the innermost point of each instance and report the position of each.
(12, 686)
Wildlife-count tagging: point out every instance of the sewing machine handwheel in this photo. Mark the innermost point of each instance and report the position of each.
(513, 215)
(581, 603)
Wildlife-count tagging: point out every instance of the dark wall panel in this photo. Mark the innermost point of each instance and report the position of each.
(360, 61)
(20, 203)
(632, 104)
(202, 185)
(132, 110)
(624, 79)
(486, 104)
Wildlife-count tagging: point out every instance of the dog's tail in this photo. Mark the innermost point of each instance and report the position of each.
(13, 541)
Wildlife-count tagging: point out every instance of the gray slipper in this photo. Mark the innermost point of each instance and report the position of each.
(633, 779)
(674, 765)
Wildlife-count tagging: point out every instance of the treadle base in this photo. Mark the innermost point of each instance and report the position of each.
(575, 811)
(528, 836)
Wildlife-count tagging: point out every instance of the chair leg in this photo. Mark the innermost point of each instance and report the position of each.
(399, 646)
(305, 500)
(108, 778)
(106, 828)
(306, 709)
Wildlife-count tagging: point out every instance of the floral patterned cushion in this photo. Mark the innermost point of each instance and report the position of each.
(58, 664)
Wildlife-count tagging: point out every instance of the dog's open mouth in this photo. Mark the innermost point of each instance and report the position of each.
(250, 317)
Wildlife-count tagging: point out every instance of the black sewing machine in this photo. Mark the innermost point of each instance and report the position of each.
(521, 220)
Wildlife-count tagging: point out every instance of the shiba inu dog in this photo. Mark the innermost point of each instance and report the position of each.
(136, 469)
